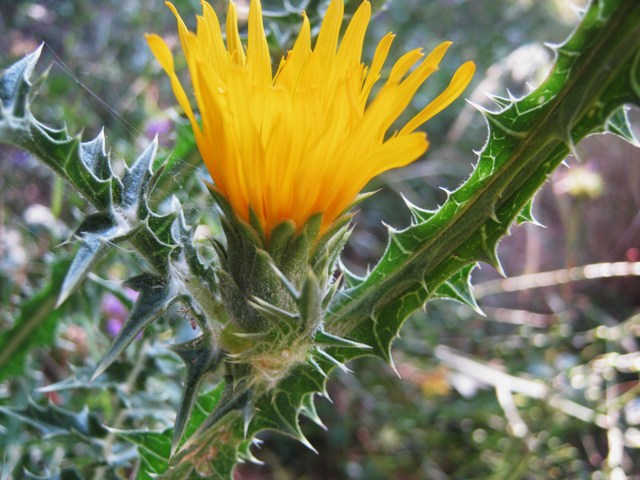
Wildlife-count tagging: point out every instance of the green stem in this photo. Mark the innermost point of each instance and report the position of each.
(57, 195)
(464, 229)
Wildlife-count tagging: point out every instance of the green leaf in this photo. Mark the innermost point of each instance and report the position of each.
(87, 168)
(15, 85)
(35, 326)
(596, 73)
(53, 420)
(619, 124)
(458, 287)
(98, 234)
(526, 215)
(155, 447)
(63, 474)
(201, 358)
(157, 294)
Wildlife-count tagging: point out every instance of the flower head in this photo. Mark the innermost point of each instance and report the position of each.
(307, 138)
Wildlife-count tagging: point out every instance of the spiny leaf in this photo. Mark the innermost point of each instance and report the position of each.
(418, 214)
(94, 156)
(308, 409)
(58, 474)
(136, 178)
(620, 125)
(595, 74)
(287, 417)
(155, 447)
(156, 296)
(327, 340)
(458, 287)
(87, 167)
(201, 358)
(15, 85)
(276, 410)
(53, 420)
(350, 279)
(98, 234)
(527, 140)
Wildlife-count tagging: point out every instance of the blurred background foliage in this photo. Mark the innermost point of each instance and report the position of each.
(545, 386)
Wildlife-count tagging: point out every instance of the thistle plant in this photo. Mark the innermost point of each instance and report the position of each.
(289, 152)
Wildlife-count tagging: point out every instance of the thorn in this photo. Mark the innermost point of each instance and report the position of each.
(99, 371)
(323, 338)
(498, 266)
(483, 110)
(247, 415)
(317, 367)
(251, 336)
(337, 363)
(326, 396)
(493, 216)
(302, 439)
(392, 365)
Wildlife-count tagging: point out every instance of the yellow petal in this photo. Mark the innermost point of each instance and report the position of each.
(258, 58)
(330, 30)
(307, 139)
(379, 58)
(234, 44)
(458, 84)
(162, 53)
(350, 50)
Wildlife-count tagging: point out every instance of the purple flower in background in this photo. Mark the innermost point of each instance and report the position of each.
(116, 312)
(158, 127)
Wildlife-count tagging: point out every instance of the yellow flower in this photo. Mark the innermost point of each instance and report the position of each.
(308, 138)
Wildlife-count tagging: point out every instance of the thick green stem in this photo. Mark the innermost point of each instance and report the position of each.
(533, 141)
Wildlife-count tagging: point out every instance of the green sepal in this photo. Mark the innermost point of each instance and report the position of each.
(285, 322)
(325, 264)
(310, 305)
(279, 240)
(254, 221)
